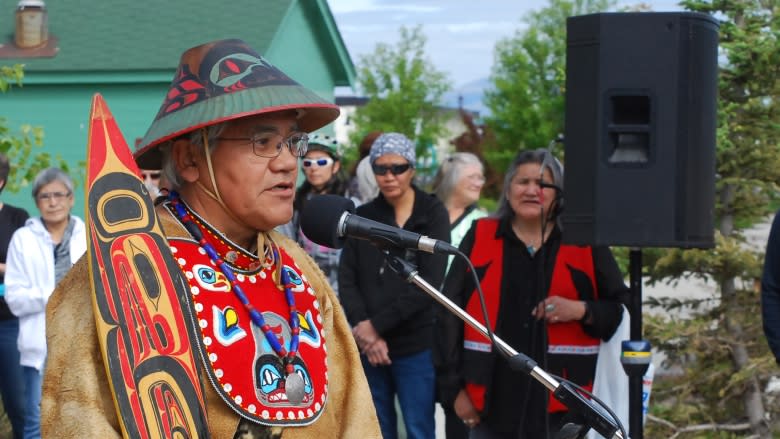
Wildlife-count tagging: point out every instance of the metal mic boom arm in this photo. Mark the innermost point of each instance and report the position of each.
(563, 391)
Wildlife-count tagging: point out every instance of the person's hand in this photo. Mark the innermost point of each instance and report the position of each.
(377, 353)
(466, 410)
(557, 309)
(365, 334)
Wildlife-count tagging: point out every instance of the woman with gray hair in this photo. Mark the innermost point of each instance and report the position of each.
(458, 184)
(39, 255)
(549, 300)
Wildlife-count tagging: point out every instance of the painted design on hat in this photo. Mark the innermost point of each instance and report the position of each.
(222, 81)
(185, 90)
(225, 68)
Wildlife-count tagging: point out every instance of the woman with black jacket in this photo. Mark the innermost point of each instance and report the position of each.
(392, 320)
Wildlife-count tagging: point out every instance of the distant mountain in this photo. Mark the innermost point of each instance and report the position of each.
(472, 94)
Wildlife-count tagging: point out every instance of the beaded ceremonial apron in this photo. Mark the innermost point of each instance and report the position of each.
(261, 336)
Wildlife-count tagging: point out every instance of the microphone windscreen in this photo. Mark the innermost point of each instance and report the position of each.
(320, 219)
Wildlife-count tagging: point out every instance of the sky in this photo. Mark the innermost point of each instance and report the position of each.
(461, 33)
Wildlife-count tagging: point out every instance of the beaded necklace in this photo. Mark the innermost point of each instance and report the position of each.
(294, 385)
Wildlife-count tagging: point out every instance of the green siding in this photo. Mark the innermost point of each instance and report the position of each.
(296, 49)
(100, 35)
(63, 112)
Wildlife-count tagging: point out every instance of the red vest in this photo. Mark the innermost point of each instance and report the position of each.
(562, 338)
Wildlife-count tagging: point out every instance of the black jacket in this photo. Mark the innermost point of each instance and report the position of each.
(770, 289)
(368, 289)
(11, 218)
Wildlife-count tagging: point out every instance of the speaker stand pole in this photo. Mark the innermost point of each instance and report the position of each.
(636, 354)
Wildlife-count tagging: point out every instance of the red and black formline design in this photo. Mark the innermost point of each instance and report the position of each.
(141, 301)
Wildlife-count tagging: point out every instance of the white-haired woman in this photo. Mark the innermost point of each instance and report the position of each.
(458, 184)
(39, 255)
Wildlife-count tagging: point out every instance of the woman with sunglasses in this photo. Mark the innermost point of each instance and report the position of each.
(322, 169)
(392, 320)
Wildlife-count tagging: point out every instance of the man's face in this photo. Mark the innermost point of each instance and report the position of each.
(258, 191)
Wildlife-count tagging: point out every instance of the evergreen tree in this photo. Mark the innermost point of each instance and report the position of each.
(720, 349)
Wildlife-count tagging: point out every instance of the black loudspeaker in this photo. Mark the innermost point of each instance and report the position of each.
(640, 129)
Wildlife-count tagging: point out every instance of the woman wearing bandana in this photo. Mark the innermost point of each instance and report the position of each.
(392, 319)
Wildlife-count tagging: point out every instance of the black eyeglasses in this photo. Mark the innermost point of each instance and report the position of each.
(269, 144)
(396, 169)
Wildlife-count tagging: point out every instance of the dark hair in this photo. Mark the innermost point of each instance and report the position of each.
(364, 149)
(5, 169)
(537, 156)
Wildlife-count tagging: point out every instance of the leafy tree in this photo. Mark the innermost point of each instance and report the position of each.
(528, 79)
(19, 145)
(403, 90)
(720, 349)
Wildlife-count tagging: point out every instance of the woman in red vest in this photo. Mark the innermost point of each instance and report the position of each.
(551, 301)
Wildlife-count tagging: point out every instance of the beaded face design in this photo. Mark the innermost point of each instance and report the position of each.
(269, 370)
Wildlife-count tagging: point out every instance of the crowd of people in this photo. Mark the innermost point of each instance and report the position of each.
(323, 342)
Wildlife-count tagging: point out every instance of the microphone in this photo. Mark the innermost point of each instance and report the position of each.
(329, 219)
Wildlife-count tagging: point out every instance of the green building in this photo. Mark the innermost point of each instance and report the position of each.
(129, 50)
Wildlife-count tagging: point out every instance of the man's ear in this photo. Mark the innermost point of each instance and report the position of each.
(185, 157)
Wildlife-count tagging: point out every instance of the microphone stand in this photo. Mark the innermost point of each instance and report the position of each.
(564, 392)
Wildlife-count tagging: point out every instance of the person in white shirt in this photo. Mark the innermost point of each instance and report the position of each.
(39, 255)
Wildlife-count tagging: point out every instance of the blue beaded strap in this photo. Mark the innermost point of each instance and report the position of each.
(256, 316)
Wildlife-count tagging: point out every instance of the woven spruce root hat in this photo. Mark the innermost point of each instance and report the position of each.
(226, 80)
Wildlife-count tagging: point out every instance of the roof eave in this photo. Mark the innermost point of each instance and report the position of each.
(347, 73)
(98, 77)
